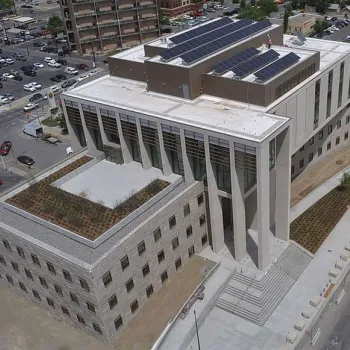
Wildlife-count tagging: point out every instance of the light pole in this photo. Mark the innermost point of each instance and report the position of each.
(195, 320)
(6, 133)
(93, 56)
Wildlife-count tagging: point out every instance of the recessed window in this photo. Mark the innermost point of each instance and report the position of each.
(134, 306)
(67, 276)
(81, 319)
(51, 268)
(118, 323)
(330, 128)
(97, 328)
(204, 239)
(337, 140)
(20, 252)
(7, 245)
(346, 136)
(2, 260)
(141, 248)
(338, 124)
(35, 260)
(84, 284)
(91, 307)
(124, 262)
(301, 163)
(172, 222)
(107, 279)
(191, 251)
(161, 256)
(43, 282)
(311, 157)
(65, 310)
(348, 119)
(164, 276)
(36, 294)
(23, 287)
(292, 169)
(145, 270)
(175, 243)
(319, 151)
(187, 210)
(200, 199)
(58, 290)
(157, 234)
(202, 220)
(112, 301)
(15, 266)
(311, 141)
(189, 231)
(178, 263)
(50, 302)
(320, 135)
(301, 149)
(129, 285)
(74, 298)
(10, 279)
(149, 291)
(28, 274)
(329, 146)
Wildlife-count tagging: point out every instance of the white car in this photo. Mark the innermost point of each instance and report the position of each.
(36, 85)
(10, 61)
(4, 100)
(38, 65)
(30, 106)
(5, 18)
(82, 77)
(29, 88)
(54, 64)
(54, 88)
(70, 70)
(49, 59)
(8, 76)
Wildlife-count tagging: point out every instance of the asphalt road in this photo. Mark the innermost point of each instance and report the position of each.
(8, 179)
(339, 35)
(42, 12)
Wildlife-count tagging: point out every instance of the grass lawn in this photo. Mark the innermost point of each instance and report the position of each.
(49, 122)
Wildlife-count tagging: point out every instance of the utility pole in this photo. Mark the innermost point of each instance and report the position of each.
(195, 320)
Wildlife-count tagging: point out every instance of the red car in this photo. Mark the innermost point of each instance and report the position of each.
(0, 182)
(5, 148)
(83, 66)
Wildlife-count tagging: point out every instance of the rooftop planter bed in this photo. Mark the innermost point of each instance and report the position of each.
(312, 227)
(76, 212)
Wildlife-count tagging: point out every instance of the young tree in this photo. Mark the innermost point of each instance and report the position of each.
(242, 4)
(285, 21)
(320, 26)
(254, 13)
(252, 2)
(321, 6)
(268, 6)
(294, 4)
(55, 25)
(6, 4)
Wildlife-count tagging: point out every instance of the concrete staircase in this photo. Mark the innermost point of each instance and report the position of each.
(256, 300)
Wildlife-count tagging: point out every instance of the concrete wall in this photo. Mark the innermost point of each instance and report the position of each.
(127, 69)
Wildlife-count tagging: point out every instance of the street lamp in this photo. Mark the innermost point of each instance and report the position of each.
(6, 133)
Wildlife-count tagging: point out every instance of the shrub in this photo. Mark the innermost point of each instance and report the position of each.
(75, 220)
(59, 213)
(48, 207)
(344, 182)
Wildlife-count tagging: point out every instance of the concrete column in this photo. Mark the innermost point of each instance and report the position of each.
(127, 157)
(189, 177)
(215, 206)
(146, 160)
(238, 207)
(165, 161)
(103, 134)
(283, 180)
(263, 205)
(75, 144)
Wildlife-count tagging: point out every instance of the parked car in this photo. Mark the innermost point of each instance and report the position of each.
(68, 83)
(54, 88)
(30, 106)
(36, 97)
(54, 64)
(10, 61)
(10, 97)
(83, 66)
(26, 160)
(30, 73)
(29, 88)
(8, 75)
(4, 100)
(61, 40)
(55, 79)
(38, 65)
(27, 7)
(49, 59)
(62, 61)
(61, 77)
(71, 71)
(5, 148)
(36, 85)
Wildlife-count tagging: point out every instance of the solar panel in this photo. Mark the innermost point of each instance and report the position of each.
(224, 41)
(204, 39)
(200, 31)
(255, 63)
(277, 67)
(300, 36)
(236, 59)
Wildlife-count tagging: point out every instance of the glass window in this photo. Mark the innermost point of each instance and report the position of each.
(311, 141)
(320, 135)
(97, 328)
(134, 306)
(2, 260)
(175, 243)
(189, 231)
(337, 140)
(21, 252)
(36, 294)
(35, 260)
(200, 199)
(272, 153)
(29, 274)
(50, 302)
(74, 298)
(7, 245)
(178, 263)
(157, 234)
(329, 146)
(141, 248)
(51, 268)
(65, 310)
(149, 291)
(311, 157)
(319, 152)
(145, 270)
(81, 319)
(161, 256)
(301, 163)
(118, 322)
(346, 136)
(84, 284)
(112, 301)
(187, 210)
(172, 222)
(204, 239)
(67, 276)
(58, 290)
(129, 285)
(23, 287)
(15, 266)
(10, 279)
(191, 251)
(338, 124)
(202, 220)
(124, 262)
(107, 279)
(91, 307)
(164, 277)
(330, 128)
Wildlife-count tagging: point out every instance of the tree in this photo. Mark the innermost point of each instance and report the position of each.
(288, 8)
(321, 6)
(285, 21)
(302, 4)
(6, 4)
(294, 4)
(163, 19)
(268, 6)
(254, 13)
(252, 2)
(320, 26)
(55, 25)
(242, 4)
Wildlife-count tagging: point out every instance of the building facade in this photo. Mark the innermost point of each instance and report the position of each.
(97, 26)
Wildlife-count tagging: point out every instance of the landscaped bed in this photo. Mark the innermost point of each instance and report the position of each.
(78, 213)
(312, 227)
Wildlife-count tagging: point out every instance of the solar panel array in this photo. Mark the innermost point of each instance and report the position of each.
(200, 30)
(277, 67)
(254, 64)
(224, 41)
(211, 36)
(300, 36)
(235, 60)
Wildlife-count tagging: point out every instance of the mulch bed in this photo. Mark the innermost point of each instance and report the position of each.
(312, 227)
(76, 213)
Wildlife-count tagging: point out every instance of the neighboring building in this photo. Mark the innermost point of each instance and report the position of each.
(302, 22)
(174, 8)
(228, 120)
(333, 9)
(98, 26)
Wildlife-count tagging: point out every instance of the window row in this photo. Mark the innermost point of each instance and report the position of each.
(51, 268)
(51, 303)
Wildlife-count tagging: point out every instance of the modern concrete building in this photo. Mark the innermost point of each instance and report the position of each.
(95, 25)
(221, 115)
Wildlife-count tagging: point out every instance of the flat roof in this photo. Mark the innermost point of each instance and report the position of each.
(330, 51)
(206, 112)
(22, 20)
